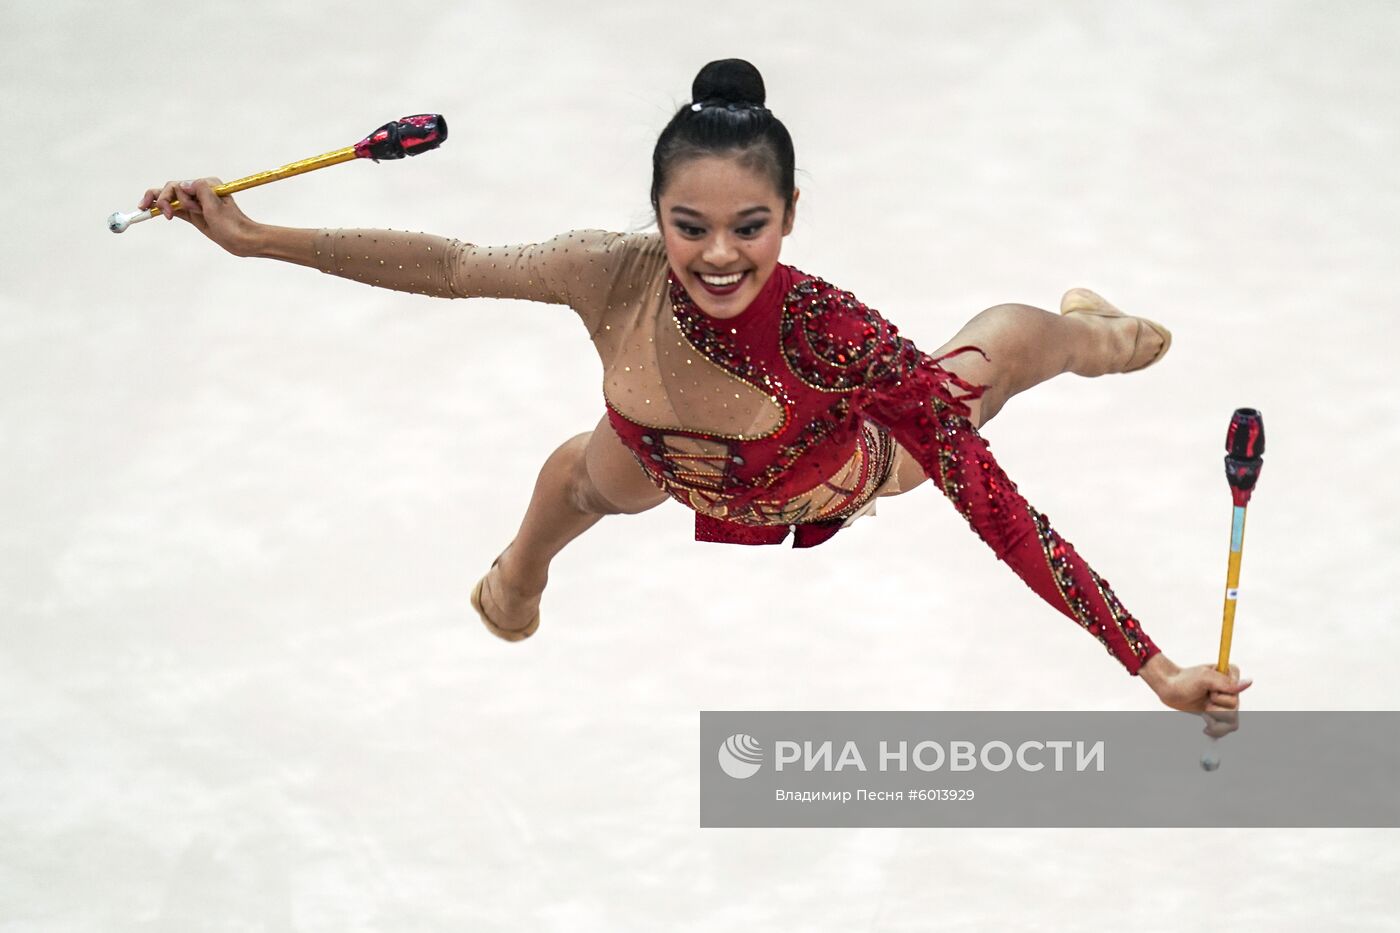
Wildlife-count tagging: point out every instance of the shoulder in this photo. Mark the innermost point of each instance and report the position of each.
(593, 243)
(832, 340)
(606, 276)
(605, 254)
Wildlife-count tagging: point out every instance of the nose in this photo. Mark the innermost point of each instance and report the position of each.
(719, 251)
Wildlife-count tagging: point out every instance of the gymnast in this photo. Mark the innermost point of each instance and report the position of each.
(770, 402)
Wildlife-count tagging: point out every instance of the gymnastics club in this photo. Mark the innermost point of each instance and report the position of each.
(394, 140)
(1244, 458)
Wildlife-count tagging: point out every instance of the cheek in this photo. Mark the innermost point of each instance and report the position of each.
(765, 250)
(676, 251)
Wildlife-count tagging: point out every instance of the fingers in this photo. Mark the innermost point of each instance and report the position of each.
(194, 195)
(1221, 724)
(1219, 683)
(201, 194)
(149, 198)
(161, 198)
(1221, 701)
(1229, 694)
(189, 198)
(1225, 694)
(196, 191)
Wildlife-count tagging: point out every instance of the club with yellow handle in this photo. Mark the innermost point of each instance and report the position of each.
(394, 140)
(1244, 458)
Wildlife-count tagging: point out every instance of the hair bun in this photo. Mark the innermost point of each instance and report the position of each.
(730, 81)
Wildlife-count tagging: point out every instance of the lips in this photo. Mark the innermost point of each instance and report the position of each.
(720, 285)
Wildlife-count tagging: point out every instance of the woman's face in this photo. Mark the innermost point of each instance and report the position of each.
(723, 224)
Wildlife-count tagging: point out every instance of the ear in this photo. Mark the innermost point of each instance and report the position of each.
(790, 213)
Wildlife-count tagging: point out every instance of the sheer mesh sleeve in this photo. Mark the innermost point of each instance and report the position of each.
(923, 406)
(574, 268)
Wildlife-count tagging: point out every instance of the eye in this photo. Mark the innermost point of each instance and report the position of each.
(690, 230)
(751, 230)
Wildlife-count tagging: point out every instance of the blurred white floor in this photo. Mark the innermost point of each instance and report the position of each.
(240, 684)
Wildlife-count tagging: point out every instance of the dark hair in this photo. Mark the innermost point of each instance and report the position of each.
(726, 115)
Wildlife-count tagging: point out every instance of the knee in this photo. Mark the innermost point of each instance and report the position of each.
(579, 489)
(585, 495)
(1016, 335)
(587, 499)
(1014, 309)
(1009, 321)
(1014, 339)
(1006, 332)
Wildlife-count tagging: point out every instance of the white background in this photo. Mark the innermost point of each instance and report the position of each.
(243, 503)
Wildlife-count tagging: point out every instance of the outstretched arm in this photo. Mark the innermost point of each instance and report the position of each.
(959, 461)
(834, 342)
(575, 268)
(922, 405)
(564, 270)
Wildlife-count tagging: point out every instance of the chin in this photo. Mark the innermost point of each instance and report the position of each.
(730, 304)
(723, 307)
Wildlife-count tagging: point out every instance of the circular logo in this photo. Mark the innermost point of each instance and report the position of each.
(740, 756)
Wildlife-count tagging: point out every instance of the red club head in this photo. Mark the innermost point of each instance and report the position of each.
(1245, 438)
(407, 137)
(1244, 458)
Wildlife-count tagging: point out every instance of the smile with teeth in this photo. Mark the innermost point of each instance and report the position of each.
(719, 281)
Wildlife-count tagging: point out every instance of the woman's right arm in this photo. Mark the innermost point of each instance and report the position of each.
(223, 221)
(574, 268)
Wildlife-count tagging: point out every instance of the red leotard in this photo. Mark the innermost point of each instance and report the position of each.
(819, 384)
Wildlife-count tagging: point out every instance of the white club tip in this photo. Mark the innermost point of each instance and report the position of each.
(120, 221)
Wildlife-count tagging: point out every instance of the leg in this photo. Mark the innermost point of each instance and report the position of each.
(1026, 346)
(590, 475)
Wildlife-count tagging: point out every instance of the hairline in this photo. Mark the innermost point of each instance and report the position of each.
(691, 152)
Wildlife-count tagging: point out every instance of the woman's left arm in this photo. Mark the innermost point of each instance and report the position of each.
(924, 407)
(833, 342)
(958, 460)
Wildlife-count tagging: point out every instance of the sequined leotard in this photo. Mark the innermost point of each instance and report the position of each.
(781, 420)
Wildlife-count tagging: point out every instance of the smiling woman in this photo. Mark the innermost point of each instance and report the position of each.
(723, 228)
(766, 400)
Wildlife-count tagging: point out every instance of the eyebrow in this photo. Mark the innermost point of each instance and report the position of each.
(692, 212)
